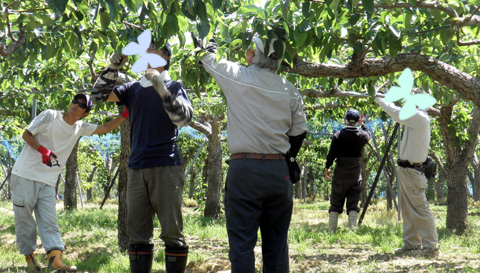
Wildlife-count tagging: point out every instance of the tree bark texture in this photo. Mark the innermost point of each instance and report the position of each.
(214, 175)
(458, 159)
(445, 74)
(430, 192)
(122, 234)
(70, 194)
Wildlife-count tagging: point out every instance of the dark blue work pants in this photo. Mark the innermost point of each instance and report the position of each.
(258, 193)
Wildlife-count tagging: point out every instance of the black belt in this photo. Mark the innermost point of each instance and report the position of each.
(406, 164)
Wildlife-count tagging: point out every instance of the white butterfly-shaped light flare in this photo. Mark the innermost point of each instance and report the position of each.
(404, 93)
(133, 48)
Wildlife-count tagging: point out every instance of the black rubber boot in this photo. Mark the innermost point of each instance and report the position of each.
(141, 257)
(176, 258)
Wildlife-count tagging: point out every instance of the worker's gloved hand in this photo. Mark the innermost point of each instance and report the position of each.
(212, 45)
(125, 114)
(197, 43)
(157, 80)
(117, 60)
(46, 155)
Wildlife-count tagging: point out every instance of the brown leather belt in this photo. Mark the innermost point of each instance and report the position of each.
(257, 156)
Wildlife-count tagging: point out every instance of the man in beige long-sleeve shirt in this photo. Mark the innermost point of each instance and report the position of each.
(418, 221)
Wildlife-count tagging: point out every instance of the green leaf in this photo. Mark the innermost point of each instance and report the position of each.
(104, 18)
(203, 28)
(285, 8)
(371, 88)
(287, 30)
(407, 21)
(446, 35)
(188, 12)
(306, 9)
(248, 10)
(181, 38)
(353, 19)
(201, 10)
(300, 37)
(368, 5)
(58, 6)
(217, 4)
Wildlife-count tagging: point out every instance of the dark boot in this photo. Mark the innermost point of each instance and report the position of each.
(176, 258)
(141, 257)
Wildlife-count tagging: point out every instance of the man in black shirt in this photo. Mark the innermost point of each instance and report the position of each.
(346, 148)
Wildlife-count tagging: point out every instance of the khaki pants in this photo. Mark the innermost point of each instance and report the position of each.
(155, 191)
(418, 221)
(30, 196)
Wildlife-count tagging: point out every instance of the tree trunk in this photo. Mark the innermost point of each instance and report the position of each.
(364, 172)
(214, 174)
(439, 186)
(457, 202)
(430, 193)
(70, 195)
(442, 175)
(90, 179)
(458, 159)
(311, 183)
(122, 234)
(476, 178)
(388, 183)
(191, 188)
(298, 188)
(304, 180)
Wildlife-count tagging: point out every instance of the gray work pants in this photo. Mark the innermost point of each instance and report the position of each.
(155, 191)
(30, 196)
(258, 194)
(418, 221)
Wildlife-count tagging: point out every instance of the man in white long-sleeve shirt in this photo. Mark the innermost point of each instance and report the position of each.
(418, 221)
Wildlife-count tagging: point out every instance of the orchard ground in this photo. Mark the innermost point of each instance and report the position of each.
(90, 235)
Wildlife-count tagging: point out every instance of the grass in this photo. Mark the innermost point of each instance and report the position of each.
(90, 235)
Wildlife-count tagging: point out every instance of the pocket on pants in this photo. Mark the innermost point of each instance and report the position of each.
(18, 202)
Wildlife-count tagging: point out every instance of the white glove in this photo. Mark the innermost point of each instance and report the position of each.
(117, 60)
(157, 79)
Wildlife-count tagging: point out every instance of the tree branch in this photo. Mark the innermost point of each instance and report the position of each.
(441, 72)
(5, 52)
(90, 65)
(205, 128)
(420, 4)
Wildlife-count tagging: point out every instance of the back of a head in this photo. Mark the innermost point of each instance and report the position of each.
(352, 116)
(271, 62)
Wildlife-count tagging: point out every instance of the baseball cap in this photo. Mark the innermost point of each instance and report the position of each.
(352, 115)
(88, 100)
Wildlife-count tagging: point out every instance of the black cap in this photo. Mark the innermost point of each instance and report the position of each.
(352, 115)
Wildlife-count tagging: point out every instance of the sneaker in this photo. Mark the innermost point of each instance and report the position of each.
(407, 250)
(430, 251)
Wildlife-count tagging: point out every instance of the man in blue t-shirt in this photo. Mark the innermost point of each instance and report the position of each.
(157, 107)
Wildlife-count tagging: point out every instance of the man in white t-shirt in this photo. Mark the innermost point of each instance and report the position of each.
(50, 138)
